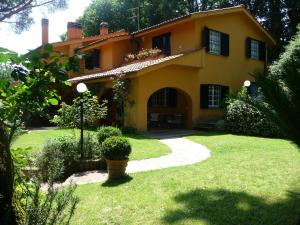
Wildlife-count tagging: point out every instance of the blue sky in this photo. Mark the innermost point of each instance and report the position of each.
(32, 38)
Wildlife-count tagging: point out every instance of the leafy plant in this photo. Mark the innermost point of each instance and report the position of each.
(26, 92)
(59, 154)
(116, 148)
(57, 157)
(69, 115)
(105, 132)
(281, 91)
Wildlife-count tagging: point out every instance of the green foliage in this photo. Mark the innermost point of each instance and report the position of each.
(105, 132)
(57, 157)
(20, 11)
(55, 206)
(281, 91)
(129, 130)
(25, 93)
(242, 118)
(116, 148)
(69, 115)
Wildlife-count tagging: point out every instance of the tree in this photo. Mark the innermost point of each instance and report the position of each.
(29, 89)
(281, 91)
(17, 12)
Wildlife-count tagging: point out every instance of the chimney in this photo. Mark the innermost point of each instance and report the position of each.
(45, 31)
(103, 28)
(74, 31)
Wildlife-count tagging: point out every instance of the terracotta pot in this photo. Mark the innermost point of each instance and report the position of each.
(116, 168)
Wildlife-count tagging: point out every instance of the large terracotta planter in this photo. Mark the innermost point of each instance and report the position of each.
(116, 168)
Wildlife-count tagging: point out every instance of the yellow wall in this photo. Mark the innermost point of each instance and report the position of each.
(120, 49)
(231, 71)
(204, 68)
(182, 37)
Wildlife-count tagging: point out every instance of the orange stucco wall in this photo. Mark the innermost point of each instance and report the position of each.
(231, 71)
(187, 73)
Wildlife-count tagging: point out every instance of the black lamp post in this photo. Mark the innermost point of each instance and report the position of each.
(81, 88)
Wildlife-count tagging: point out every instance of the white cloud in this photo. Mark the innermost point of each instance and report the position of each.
(32, 38)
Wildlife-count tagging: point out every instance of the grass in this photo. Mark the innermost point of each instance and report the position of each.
(143, 147)
(247, 181)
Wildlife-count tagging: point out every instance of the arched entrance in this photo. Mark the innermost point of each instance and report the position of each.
(169, 108)
(111, 108)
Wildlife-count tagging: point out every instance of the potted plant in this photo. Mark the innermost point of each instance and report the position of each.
(116, 151)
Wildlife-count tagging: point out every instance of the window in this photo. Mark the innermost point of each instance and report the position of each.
(166, 97)
(163, 43)
(212, 95)
(92, 59)
(215, 42)
(255, 49)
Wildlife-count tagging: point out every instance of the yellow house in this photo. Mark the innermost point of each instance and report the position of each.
(205, 55)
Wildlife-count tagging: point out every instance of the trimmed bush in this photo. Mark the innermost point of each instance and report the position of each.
(243, 118)
(106, 132)
(116, 148)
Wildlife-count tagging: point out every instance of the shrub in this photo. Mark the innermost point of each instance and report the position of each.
(69, 115)
(129, 130)
(116, 148)
(57, 157)
(106, 132)
(243, 118)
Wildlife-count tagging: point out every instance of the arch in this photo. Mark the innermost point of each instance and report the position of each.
(169, 107)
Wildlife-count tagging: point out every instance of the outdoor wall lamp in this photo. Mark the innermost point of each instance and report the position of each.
(81, 88)
(247, 83)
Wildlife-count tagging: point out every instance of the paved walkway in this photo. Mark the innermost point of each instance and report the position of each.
(183, 152)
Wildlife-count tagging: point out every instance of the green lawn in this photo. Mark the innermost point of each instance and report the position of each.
(142, 147)
(247, 181)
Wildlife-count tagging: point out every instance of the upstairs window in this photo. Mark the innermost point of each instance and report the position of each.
(92, 59)
(212, 96)
(215, 42)
(255, 49)
(254, 54)
(162, 42)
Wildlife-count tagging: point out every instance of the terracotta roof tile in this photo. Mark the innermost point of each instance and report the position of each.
(134, 67)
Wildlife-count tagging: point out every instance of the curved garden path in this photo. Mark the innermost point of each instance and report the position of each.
(183, 152)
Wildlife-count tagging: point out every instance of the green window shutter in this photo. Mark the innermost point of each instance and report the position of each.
(96, 57)
(205, 38)
(89, 61)
(224, 44)
(262, 51)
(204, 96)
(224, 95)
(248, 48)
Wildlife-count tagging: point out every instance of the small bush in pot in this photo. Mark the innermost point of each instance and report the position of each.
(106, 132)
(116, 151)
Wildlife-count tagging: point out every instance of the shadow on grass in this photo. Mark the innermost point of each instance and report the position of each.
(222, 207)
(114, 183)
